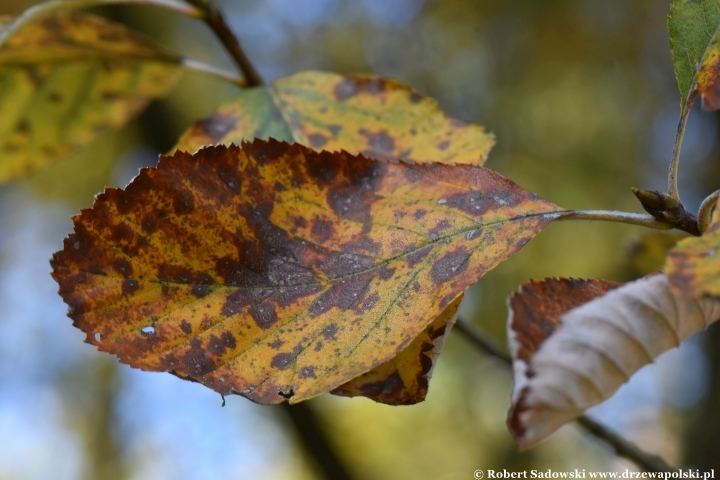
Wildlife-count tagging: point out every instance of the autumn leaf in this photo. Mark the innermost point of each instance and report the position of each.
(362, 114)
(332, 112)
(67, 78)
(404, 379)
(277, 272)
(575, 342)
(695, 47)
(693, 265)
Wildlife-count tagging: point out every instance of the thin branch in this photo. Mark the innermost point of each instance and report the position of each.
(198, 66)
(641, 219)
(214, 19)
(314, 441)
(479, 339)
(621, 446)
(673, 175)
(41, 10)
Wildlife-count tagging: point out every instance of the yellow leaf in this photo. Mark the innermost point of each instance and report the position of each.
(277, 272)
(404, 379)
(374, 116)
(67, 78)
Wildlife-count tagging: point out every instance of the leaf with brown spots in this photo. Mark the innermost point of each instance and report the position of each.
(277, 272)
(693, 265)
(361, 114)
(694, 27)
(575, 342)
(66, 79)
(404, 379)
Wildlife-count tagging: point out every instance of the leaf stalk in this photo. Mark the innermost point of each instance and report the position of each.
(641, 219)
(673, 174)
(622, 447)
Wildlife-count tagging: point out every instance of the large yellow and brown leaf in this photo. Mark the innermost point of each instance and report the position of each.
(566, 360)
(404, 379)
(361, 114)
(69, 77)
(276, 272)
(693, 265)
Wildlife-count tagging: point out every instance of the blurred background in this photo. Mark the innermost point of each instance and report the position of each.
(583, 101)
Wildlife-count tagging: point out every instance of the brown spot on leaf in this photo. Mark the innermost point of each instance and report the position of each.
(307, 372)
(218, 125)
(381, 142)
(330, 332)
(418, 255)
(130, 286)
(450, 265)
(346, 88)
(123, 267)
(322, 230)
(217, 346)
(197, 363)
(472, 202)
(283, 361)
(317, 140)
(186, 327)
(264, 315)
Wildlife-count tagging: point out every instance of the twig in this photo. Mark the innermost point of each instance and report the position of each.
(214, 19)
(673, 175)
(314, 441)
(198, 66)
(44, 9)
(621, 446)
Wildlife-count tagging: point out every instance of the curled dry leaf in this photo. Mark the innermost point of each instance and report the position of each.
(693, 265)
(563, 366)
(404, 379)
(695, 47)
(361, 114)
(69, 77)
(277, 272)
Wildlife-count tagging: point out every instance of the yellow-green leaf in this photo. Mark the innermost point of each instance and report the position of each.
(69, 77)
(693, 265)
(695, 47)
(277, 272)
(404, 379)
(374, 116)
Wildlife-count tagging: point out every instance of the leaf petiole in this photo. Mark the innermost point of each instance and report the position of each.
(673, 174)
(641, 219)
